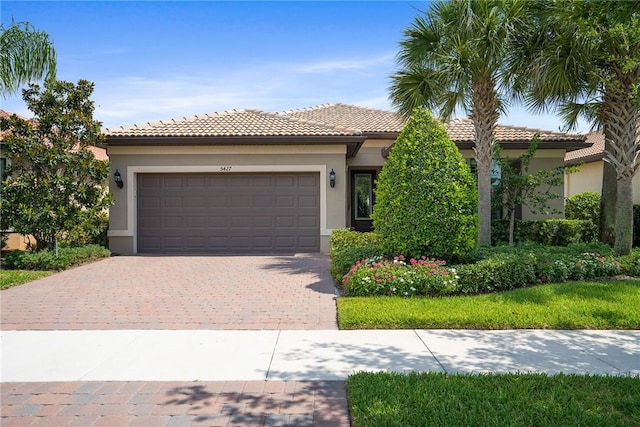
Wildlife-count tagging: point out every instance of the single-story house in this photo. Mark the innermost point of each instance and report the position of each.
(589, 176)
(16, 241)
(249, 181)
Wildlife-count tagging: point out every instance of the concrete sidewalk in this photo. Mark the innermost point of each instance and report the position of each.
(289, 355)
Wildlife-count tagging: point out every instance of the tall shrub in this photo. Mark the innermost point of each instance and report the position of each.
(585, 205)
(426, 195)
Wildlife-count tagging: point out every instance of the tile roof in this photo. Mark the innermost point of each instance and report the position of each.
(589, 154)
(233, 123)
(365, 120)
(322, 120)
(461, 130)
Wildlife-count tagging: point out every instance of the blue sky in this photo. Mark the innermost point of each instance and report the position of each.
(155, 60)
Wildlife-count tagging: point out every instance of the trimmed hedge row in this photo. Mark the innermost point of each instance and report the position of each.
(349, 247)
(363, 268)
(523, 267)
(554, 232)
(499, 271)
(47, 260)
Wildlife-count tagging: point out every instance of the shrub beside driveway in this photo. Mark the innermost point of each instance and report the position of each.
(9, 278)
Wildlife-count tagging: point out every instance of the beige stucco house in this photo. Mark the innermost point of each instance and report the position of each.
(248, 181)
(589, 176)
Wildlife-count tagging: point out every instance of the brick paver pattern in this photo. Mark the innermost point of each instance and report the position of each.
(154, 292)
(230, 403)
(157, 292)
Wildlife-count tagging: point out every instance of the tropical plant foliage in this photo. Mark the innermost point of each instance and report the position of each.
(26, 54)
(426, 196)
(518, 187)
(583, 56)
(54, 183)
(453, 57)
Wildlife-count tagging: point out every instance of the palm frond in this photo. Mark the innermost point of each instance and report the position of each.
(26, 55)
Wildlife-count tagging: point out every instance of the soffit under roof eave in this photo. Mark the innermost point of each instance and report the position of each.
(353, 143)
(381, 135)
(586, 159)
(522, 145)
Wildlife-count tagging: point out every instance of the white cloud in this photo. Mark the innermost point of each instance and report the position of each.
(268, 86)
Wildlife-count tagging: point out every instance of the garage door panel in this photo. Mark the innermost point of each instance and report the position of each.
(172, 202)
(283, 242)
(307, 202)
(196, 181)
(262, 201)
(262, 222)
(217, 201)
(172, 181)
(285, 181)
(228, 213)
(285, 201)
(240, 202)
(284, 222)
(196, 222)
(308, 221)
(308, 181)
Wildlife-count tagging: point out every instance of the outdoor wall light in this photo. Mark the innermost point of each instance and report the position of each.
(332, 178)
(118, 179)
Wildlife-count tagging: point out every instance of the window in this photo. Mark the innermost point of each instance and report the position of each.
(363, 195)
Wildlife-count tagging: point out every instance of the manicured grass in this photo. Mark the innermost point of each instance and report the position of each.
(438, 399)
(9, 278)
(571, 305)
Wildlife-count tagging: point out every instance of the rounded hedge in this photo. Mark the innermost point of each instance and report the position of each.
(585, 206)
(426, 197)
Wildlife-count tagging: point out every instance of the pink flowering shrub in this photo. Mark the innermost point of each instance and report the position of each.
(399, 277)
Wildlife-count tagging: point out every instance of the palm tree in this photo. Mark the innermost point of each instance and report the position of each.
(583, 56)
(26, 54)
(453, 57)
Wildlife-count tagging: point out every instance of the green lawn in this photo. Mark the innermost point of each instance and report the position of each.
(437, 399)
(571, 305)
(9, 278)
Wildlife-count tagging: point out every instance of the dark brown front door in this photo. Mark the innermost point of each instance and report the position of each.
(229, 213)
(362, 199)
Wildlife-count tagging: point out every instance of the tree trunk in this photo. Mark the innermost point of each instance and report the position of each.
(512, 224)
(608, 198)
(485, 118)
(621, 118)
(624, 216)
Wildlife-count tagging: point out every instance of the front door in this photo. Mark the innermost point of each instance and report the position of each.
(362, 185)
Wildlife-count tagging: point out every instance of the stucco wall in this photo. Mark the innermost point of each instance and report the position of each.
(543, 159)
(130, 161)
(370, 154)
(589, 178)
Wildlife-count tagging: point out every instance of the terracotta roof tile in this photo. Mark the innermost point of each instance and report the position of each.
(366, 120)
(461, 130)
(321, 120)
(589, 154)
(241, 123)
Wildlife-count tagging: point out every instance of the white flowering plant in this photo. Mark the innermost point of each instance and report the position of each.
(400, 277)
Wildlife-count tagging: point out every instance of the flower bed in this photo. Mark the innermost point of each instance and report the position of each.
(417, 277)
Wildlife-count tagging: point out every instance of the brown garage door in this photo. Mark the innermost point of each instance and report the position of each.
(228, 213)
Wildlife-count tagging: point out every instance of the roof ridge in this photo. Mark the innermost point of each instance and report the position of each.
(538, 130)
(154, 123)
(304, 109)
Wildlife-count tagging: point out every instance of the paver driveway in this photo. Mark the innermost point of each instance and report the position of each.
(178, 292)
